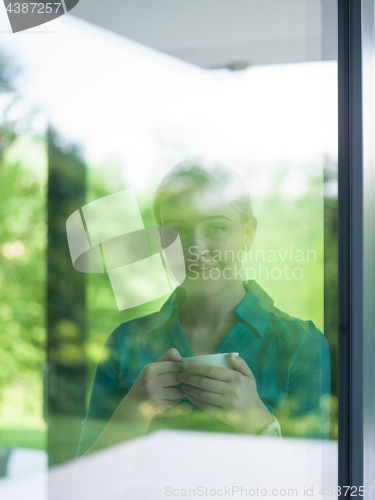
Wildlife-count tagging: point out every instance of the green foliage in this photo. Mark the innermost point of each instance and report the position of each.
(25, 438)
(293, 227)
(22, 278)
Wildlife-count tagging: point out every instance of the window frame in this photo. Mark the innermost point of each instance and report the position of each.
(356, 243)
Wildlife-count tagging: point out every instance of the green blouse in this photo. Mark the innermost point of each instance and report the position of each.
(288, 357)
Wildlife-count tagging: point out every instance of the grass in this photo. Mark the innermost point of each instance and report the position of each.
(25, 438)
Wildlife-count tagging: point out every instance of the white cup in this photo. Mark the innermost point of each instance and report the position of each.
(220, 360)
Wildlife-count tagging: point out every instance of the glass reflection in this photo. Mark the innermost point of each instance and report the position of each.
(218, 356)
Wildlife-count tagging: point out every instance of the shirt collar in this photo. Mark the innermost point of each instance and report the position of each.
(170, 307)
(255, 308)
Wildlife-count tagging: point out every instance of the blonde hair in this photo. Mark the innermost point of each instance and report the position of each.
(197, 173)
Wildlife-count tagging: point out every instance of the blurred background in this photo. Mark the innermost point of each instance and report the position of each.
(87, 112)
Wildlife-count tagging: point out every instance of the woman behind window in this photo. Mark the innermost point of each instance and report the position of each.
(282, 374)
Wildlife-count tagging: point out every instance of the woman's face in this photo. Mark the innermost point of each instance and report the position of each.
(213, 235)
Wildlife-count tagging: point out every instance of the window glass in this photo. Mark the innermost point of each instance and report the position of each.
(170, 189)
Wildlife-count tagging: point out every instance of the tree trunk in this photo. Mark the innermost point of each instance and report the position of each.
(66, 322)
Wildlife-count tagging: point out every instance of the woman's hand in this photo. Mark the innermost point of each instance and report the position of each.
(154, 389)
(230, 395)
(152, 392)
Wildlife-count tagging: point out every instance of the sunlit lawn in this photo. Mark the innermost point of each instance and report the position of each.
(24, 438)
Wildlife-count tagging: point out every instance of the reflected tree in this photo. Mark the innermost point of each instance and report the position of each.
(66, 322)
